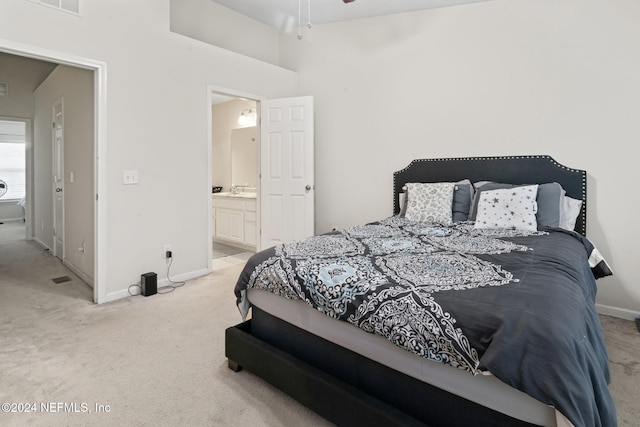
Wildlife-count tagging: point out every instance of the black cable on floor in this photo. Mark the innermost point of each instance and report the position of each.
(172, 285)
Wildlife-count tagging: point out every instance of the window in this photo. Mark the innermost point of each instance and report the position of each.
(71, 6)
(12, 159)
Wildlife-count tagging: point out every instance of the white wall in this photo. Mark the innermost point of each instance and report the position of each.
(557, 77)
(157, 115)
(75, 87)
(213, 23)
(42, 196)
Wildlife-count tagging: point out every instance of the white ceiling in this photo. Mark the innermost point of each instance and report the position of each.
(218, 98)
(283, 14)
(20, 71)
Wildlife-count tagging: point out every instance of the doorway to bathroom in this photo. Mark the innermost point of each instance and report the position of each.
(273, 202)
(234, 179)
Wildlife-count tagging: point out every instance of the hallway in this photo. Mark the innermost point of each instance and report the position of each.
(27, 269)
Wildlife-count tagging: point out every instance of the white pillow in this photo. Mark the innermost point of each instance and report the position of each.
(508, 208)
(430, 202)
(569, 213)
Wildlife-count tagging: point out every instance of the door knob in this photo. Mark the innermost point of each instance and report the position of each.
(58, 190)
(308, 188)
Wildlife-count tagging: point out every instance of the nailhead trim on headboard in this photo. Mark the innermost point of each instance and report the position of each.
(576, 186)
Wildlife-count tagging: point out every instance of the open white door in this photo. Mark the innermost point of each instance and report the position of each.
(287, 170)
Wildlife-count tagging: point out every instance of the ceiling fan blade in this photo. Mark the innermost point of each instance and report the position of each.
(348, 1)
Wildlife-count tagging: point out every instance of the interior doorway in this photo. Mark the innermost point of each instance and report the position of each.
(284, 207)
(96, 174)
(14, 143)
(233, 144)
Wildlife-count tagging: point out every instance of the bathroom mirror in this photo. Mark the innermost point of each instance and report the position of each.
(244, 157)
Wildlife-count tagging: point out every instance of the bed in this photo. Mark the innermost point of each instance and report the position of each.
(427, 319)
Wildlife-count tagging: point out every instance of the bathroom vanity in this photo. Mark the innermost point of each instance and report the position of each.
(234, 219)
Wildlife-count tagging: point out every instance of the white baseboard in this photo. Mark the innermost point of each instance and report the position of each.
(113, 296)
(622, 313)
(186, 276)
(164, 282)
(82, 275)
(41, 243)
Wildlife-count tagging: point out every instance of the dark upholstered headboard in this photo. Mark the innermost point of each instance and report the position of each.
(507, 169)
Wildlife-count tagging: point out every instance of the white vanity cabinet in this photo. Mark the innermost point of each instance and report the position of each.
(250, 224)
(234, 220)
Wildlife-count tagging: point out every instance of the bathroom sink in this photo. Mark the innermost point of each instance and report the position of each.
(237, 195)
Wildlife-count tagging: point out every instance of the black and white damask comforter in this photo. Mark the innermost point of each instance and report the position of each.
(518, 304)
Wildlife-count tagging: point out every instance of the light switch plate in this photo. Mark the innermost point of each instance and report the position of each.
(130, 177)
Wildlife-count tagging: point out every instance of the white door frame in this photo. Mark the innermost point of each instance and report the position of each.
(99, 142)
(57, 152)
(235, 94)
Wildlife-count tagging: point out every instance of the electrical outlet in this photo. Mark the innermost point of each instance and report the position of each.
(167, 248)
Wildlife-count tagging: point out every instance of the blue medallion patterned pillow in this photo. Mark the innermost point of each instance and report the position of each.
(430, 202)
(508, 208)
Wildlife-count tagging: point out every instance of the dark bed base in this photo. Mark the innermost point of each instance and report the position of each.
(342, 386)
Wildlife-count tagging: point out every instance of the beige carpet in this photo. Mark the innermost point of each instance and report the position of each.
(156, 361)
(159, 360)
